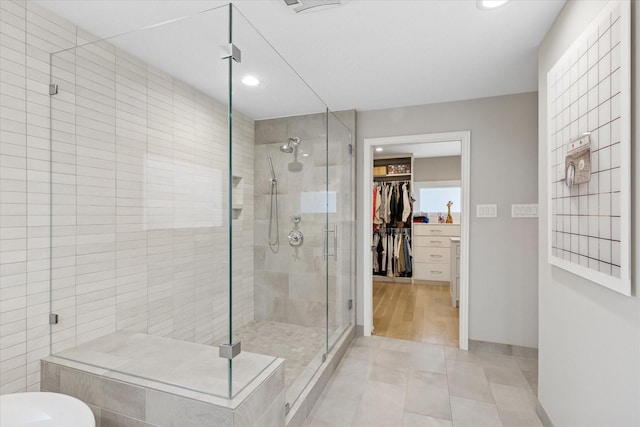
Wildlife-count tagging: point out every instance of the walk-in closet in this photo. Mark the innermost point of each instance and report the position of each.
(415, 248)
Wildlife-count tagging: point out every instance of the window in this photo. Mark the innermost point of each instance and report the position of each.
(432, 197)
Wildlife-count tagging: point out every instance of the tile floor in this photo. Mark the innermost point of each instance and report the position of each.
(389, 382)
(298, 345)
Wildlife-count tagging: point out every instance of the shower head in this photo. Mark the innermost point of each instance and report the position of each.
(291, 144)
(286, 148)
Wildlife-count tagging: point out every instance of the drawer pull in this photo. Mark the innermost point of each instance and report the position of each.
(436, 272)
(436, 241)
(436, 256)
(436, 231)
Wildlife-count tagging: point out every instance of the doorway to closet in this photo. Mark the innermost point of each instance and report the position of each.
(416, 280)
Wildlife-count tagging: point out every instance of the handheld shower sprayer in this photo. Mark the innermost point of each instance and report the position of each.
(273, 174)
(274, 228)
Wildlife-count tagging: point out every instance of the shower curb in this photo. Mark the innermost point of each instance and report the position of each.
(301, 409)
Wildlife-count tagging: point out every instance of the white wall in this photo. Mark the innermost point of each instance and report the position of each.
(134, 152)
(589, 339)
(503, 281)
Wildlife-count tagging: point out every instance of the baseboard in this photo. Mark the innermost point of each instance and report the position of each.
(431, 283)
(542, 414)
(506, 349)
(359, 330)
(387, 279)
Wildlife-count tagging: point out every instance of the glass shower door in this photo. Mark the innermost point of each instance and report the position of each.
(284, 211)
(340, 229)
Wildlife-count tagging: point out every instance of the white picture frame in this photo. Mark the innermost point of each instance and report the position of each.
(589, 93)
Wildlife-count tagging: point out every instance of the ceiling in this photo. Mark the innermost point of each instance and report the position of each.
(363, 54)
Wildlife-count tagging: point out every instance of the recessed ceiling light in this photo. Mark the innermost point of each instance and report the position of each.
(379, 149)
(250, 81)
(490, 4)
(305, 155)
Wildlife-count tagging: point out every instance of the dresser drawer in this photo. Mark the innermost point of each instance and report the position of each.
(436, 230)
(434, 241)
(431, 271)
(431, 255)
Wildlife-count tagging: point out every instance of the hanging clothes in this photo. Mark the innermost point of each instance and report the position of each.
(394, 206)
(407, 255)
(396, 253)
(406, 212)
(382, 196)
(375, 196)
(377, 219)
(402, 267)
(385, 251)
(389, 255)
(400, 206)
(391, 252)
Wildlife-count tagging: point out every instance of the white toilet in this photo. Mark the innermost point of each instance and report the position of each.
(43, 409)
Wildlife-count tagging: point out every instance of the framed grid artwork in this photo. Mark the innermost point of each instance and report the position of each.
(589, 130)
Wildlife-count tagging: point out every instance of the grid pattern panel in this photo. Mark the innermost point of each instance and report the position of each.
(585, 96)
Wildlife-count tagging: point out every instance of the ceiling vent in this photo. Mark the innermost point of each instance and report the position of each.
(302, 5)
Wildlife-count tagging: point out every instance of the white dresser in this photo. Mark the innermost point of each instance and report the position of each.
(432, 251)
(454, 282)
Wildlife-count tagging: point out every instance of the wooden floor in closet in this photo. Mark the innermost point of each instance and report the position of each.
(415, 312)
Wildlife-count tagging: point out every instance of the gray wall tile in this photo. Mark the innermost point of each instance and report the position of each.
(260, 400)
(112, 419)
(274, 415)
(85, 387)
(124, 399)
(174, 411)
(50, 376)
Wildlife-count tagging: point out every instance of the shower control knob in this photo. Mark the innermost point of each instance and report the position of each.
(295, 219)
(295, 237)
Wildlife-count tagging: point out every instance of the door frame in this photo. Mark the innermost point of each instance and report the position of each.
(366, 197)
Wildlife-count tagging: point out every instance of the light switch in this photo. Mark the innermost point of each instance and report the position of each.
(486, 211)
(524, 211)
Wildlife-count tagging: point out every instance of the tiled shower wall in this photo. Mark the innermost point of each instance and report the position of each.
(290, 282)
(139, 184)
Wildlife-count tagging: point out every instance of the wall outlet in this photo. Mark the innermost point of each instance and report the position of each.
(486, 211)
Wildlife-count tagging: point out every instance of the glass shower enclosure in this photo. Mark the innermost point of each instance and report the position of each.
(191, 212)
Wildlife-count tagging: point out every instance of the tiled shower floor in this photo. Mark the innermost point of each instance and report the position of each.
(298, 345)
